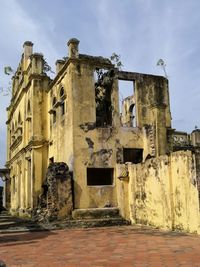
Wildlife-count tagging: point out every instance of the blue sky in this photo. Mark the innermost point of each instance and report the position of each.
(141, 31)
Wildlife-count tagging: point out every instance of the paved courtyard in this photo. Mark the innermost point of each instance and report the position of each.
(112, 246)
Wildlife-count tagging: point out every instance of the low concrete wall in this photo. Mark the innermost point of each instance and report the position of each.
(161, 192)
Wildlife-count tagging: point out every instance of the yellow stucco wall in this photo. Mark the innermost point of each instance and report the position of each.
(161, 192)
(27, 154)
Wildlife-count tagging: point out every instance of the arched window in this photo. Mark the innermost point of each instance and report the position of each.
(54, 101)
(132, 115)
(62, 91)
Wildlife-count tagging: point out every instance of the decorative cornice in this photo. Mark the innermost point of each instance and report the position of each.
(16, 143)
(33, 144)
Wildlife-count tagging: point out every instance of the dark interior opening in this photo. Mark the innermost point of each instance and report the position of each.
(99, 176)
(133, 155)
(103, 91)
(54, 117)
(63, 108)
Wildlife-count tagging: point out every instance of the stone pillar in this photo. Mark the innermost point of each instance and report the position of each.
(28, 50)
(195, 138)
(73, 48)
(37, 63)
(59, 64)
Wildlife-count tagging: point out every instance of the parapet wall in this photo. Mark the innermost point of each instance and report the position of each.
(161, 192)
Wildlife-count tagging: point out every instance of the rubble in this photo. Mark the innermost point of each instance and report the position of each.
(56, 200)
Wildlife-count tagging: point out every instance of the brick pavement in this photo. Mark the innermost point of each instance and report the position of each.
(100, 247)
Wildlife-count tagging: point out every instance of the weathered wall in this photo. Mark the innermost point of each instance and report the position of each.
(82, 137)
(55, 202)
(161, 192)
(27, 132)
(96, 147)
(61, 130)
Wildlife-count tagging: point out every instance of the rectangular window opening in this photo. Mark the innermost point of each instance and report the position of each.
(127, 103)
(133, 155)
(99, 176)
(103, 92)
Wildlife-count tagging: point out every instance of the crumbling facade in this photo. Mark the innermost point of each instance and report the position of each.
(76, 119)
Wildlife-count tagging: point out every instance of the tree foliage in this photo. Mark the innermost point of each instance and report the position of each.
(47, 68)
(115, 59)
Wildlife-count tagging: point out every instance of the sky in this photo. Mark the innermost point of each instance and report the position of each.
(140, 31)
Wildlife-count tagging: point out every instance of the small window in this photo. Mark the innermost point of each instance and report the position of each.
(29, 108)
(13, 185)
(62, 92)
(54, 101)
(133, 155)
(19, 118)
(54, 117)
(62, 106)
(132, 115)
(99, 176)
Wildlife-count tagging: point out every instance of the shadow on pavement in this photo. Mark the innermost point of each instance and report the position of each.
(18, 231)
(23, 238)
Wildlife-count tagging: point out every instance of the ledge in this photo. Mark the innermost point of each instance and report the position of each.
(16, 143)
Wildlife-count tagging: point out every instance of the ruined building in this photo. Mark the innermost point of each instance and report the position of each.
(71, 147)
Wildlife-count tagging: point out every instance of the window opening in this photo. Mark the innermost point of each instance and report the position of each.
(127, 103)
(29, 108)
(54, 117)
(99, 176)
(132, 116)
(62, 106)
(62, 92)
(19, 118)
(54, 101)
(133, 155)
(103, 91)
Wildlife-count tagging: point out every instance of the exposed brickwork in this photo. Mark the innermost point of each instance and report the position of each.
(105, 247)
